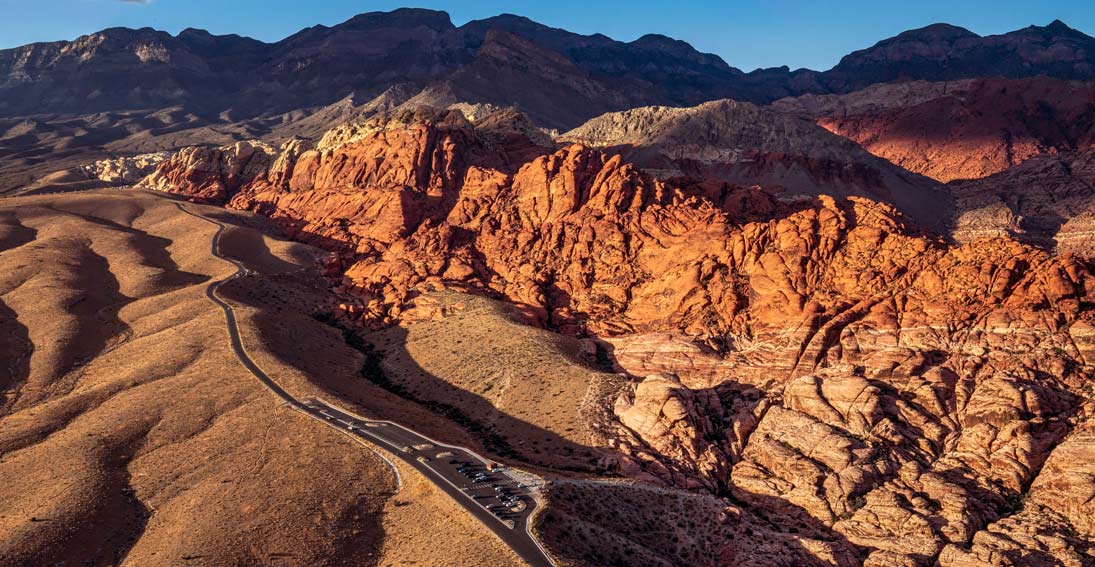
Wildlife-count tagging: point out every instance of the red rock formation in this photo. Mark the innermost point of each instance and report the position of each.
(210, 174)
(831, 364)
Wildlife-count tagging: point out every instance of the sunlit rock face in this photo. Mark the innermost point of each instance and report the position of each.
(125, 170)
(1017, 153)
(210, 174)
(825, 361)
(966, 129)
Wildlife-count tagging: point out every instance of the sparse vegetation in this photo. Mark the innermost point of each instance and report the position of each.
(1011, 503)
(372, 371)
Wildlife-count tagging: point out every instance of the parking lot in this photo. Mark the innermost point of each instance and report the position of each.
(504, 497)
(488, 490)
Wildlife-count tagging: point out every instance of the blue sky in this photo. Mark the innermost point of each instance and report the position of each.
(746, 33)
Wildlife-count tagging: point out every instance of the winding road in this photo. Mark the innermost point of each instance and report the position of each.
(495, 497)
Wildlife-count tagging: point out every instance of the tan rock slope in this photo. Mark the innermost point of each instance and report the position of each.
(825, 363)
(747, 145)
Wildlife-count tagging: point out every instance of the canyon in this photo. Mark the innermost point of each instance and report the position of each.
(838, 318)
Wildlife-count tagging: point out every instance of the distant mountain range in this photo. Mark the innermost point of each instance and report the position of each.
(559, 78)
(123, 92)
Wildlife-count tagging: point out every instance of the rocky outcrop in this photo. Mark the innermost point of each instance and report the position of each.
(1051, 523)
(1048, 201)
(1018, 153)
(430, 200)
(665, 424)
(210, 175)
(931, 459)
(124, 170)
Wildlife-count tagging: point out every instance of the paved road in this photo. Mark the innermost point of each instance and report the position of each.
(495, 498)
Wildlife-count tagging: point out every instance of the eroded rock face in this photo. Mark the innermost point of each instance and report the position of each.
(1051, 523)
(748, 145)
(825, 362)
(211, 174)
(666, 424)
(918, 423)
(941, 465)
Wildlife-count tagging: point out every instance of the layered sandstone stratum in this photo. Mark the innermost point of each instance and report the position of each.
(862, 389)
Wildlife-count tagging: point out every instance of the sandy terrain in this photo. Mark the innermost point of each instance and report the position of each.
(525, 386)
(129, 434)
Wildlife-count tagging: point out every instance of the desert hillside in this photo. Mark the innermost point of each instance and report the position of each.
(130, 433)
(961, 129)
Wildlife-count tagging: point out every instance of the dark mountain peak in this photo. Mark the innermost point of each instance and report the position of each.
(1058, 26)
(120, 44)
(120, 34)
(943, 52)
(511, 19)
(1056, 30)
(209, 45)
(657, 40)
(586, 48)
(203, 36)
(934, 33)
(371, 32)
(402, 17)
(195, 34)
(661, 46)
(552, 38)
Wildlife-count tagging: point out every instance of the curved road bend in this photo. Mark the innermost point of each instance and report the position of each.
(452, 469)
